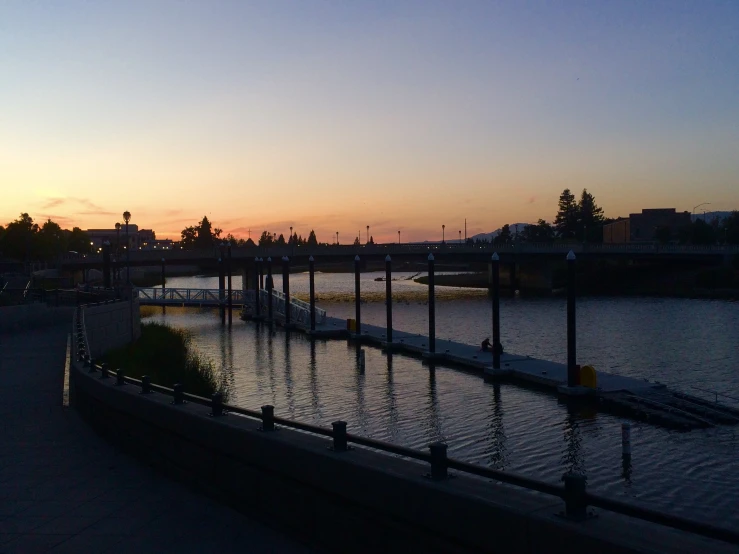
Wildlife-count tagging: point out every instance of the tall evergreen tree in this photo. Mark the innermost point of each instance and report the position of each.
(312, 240)
(590, 217)
(566, 220)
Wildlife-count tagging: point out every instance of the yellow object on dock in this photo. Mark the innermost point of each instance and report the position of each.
(588, 377)
(351, 325)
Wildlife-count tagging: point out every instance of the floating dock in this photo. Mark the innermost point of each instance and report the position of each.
(626, 396)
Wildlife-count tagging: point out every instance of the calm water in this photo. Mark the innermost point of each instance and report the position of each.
(686, 343)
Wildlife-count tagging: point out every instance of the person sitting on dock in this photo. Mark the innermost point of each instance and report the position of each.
(488, 347)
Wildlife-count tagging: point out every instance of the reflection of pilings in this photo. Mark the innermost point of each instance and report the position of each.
(498, 454)
(392, 407)
(432, 409)
(572, 458)
(271, 364)
(572, 377)
(289, 386)
(316, 404)
(361, 409)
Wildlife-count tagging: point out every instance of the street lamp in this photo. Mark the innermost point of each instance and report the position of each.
(127, 218)
(443, 241)
(698, 206)
(337, 238)
(398, 236)
(367, 234)
(460, 236)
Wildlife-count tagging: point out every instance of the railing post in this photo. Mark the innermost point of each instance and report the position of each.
(268, 418)
(217, 404)
(339, 434)
(438, 461)
(120, 377)
(104, 371)
(178, 394)
(270, 286)
(91, 364)
(575, 496)
(145, 384)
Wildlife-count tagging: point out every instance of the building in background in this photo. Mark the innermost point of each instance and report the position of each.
(137, 238)
(644, 227)
(617, 232)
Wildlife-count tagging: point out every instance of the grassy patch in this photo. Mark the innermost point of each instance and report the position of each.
(166, 355)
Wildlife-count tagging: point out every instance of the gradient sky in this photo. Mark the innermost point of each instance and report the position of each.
(335, 115)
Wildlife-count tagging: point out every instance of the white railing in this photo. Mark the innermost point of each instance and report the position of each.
(299, 310)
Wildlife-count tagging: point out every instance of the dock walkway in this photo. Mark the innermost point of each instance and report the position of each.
(627, 396)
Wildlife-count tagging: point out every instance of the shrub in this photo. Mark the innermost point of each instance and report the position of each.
(165, 354)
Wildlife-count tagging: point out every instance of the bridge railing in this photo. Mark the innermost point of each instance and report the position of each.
(184, 296)
(276, 253)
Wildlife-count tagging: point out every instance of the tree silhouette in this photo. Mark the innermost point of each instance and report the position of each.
(566, 220)
(312, 241)
(505, 236)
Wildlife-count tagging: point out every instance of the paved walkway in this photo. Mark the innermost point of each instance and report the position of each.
(64, 489)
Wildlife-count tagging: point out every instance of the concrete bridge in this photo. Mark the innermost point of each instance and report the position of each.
(447, 252)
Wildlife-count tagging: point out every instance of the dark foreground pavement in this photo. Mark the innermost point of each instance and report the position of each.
(64, 489)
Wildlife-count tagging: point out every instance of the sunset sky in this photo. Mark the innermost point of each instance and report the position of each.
(401, 115)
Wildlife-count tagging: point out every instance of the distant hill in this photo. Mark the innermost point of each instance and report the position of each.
(490, 236)
(710, 216)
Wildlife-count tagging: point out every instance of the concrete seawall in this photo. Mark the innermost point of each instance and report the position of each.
(358, 501)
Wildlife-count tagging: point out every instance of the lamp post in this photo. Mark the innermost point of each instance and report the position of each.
(117, 249)
(460, 236)
(698, 206)
(443, 238)
(367, 234)
(127, 218)
(337, 238)
(398, 236)
(292, 252)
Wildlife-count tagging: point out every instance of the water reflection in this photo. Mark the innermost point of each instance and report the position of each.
(313, 382)
(572, 458)
(498, 450)
(392, 403)
(431, 419)
(289, 389)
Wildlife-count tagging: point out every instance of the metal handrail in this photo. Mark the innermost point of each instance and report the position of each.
(660, 518)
